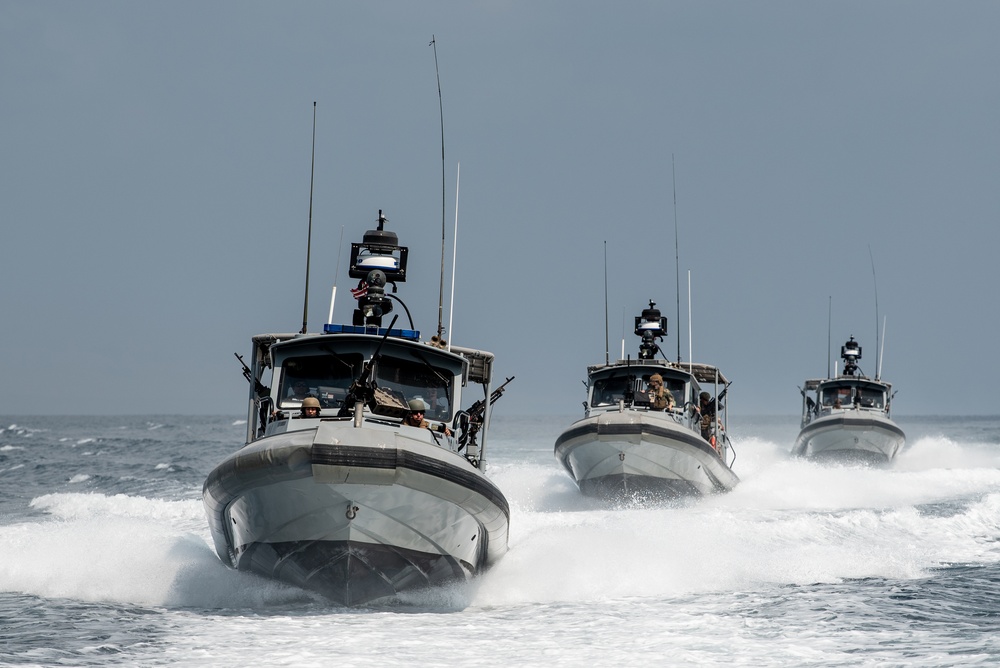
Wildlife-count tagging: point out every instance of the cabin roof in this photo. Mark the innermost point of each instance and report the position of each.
(703, 373)
(843, 381)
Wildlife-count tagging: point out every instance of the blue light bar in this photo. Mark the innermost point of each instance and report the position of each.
(411, 334)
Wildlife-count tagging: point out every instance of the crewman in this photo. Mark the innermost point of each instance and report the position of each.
(310, 408)
(415, 418)
(660, 398)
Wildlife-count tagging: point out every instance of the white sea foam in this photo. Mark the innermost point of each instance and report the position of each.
(126, 549)
(789, 521)
(786, 569)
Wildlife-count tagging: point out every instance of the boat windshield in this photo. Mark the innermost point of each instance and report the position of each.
(610, 390)
(417, 380)
(871, 397)
(326, 377)
(842, 396)
(837, 397)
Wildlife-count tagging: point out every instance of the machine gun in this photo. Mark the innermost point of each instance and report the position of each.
(261, 389)
(472, 419)
(363, 389)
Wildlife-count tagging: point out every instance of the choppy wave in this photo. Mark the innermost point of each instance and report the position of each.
(799, 564)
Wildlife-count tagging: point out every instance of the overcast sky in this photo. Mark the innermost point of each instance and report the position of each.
(155, 163)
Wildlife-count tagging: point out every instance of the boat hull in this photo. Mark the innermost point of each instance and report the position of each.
(358, 515)
(850, 438)
(631, 455)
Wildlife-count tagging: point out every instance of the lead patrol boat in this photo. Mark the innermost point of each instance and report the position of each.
(625, 450)
(845, 418)
(354, 504)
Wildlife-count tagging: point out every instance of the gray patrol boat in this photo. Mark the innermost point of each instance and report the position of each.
(845, 418)
(625, 449)
(351, 502)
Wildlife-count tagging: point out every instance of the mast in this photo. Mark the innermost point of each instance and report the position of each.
(440, 329)
(881, 355)
(333, 293)
(312, 173)
(878, 355)
(607, 345)
(677, 263)
(690, 337)
(454, 259)
(829, 335)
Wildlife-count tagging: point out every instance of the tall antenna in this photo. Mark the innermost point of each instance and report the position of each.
(690, 335)
(333, 293)
(623, 334)
(878, 366)
(454, 259)
(607, 344)
(677, 260)
(437, 73)
(881, 356)
(312, 173)
(829, 334)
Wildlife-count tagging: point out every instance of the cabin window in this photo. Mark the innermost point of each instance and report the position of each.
(326, 377)
(608, 391)
(834, 397)
(417, 380)
(673, 385)
(871, 398)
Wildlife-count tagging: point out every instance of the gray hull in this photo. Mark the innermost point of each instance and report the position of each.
(637, 455)
(850, 437)
(356, 514)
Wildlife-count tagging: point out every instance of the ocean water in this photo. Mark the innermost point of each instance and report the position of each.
(106, 559)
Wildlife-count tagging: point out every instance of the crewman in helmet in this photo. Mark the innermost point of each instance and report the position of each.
(708, 410)
(415, 418)
(660, 398)
(310, 408)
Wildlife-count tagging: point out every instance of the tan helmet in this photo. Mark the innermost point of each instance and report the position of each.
(656, 376)
(310, 402)
(417, 405)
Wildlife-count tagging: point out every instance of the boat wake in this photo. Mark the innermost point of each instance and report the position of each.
(127, 550)
(791, 522)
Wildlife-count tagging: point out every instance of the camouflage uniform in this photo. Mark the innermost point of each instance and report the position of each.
(661, 399)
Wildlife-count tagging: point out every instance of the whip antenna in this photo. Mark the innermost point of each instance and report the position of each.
(333, 293)
(881, 355)
(454, 259)
(690, 335)
(829, 328)
(312, 173)
(607, 345)
(878, 355)
(437, 73)
(677, 261)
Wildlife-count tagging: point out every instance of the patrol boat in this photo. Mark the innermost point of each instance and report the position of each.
(626, 448)
(846, 418)
(353, 503)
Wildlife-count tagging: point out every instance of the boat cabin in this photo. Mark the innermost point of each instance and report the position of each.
(843, 394)
(823, 397)
(850, 390)
(627, 385)
(325, 366)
